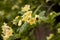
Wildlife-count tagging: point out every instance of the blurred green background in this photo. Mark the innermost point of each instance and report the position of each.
(7, 14)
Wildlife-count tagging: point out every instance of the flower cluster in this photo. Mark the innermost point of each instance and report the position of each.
(7, 31)
(26, 17)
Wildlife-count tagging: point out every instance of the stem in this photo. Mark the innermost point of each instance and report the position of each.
(37, 9)
(49, 9)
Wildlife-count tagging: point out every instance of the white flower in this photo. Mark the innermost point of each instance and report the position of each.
(20, 22)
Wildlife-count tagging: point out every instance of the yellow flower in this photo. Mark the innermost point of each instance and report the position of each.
(7, 31)
(32, 21)
(20, 22)
(25, 8)
(26, 16)
(25, 19)
(5, 37)
(4, 27)
(15, 7)
(50, 36)
(14, 22)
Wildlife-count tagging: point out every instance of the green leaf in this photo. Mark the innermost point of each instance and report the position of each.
(25, 30)
(23, 27)
(42, 13)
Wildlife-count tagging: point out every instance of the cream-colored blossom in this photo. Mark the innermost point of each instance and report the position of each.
(25, 19)
(15, 7)
(28, 13)
(7, 31)
(25, 8)
(32, 21)
(5, 37)
(4, 27)
(14, 22)
(26, 16)
(20, 23)
(50, 36)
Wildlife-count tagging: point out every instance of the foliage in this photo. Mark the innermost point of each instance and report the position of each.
(19, 18)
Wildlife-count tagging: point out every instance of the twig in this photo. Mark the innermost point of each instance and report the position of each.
(49, 9)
